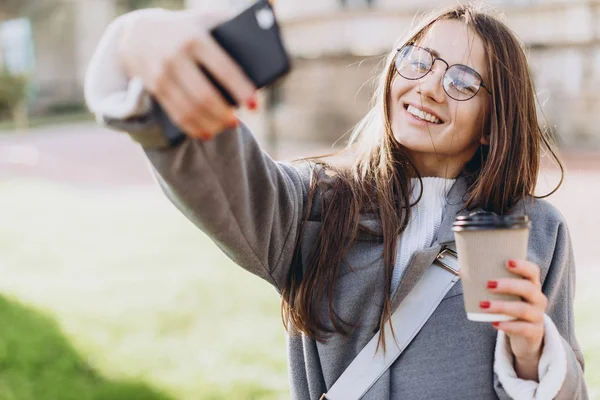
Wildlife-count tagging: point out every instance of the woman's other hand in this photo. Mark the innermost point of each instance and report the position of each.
(526, 333)
(165, 52)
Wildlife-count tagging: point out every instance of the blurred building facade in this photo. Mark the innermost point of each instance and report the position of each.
(337, 46)
(65, 34)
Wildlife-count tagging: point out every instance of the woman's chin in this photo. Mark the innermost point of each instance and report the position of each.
(413, 141)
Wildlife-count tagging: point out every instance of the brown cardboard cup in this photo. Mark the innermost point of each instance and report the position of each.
(485, 242)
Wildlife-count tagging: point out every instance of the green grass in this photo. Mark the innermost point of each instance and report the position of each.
(38, 362)
(8, 126)
(587, 326)
(112, 294)
(139, 293)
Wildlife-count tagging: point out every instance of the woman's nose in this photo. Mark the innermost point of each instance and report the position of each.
(431, 84)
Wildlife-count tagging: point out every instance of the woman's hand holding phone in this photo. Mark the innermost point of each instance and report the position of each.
(165, 50)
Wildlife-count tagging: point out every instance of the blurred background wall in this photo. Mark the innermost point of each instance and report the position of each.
(336, 45)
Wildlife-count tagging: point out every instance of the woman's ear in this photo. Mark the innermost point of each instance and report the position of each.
(485, 140)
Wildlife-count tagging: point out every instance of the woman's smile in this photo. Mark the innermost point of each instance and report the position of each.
(417, 116)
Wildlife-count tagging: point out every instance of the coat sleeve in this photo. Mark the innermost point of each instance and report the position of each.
(561, 368)
(250, 205)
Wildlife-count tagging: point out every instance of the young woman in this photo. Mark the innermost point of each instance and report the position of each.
(453, 129)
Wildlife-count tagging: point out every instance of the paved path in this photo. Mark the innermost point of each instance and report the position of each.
(81, 154)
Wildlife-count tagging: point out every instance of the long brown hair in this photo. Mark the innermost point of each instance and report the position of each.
(378, 181)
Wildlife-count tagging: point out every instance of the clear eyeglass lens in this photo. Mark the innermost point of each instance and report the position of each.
(412, 62)
(461, 82)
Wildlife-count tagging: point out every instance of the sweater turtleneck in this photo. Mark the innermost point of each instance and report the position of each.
(424, 223)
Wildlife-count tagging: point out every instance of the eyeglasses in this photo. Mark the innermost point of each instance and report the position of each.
(460, 82)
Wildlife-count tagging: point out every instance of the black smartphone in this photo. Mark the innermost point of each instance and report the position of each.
(252, 38)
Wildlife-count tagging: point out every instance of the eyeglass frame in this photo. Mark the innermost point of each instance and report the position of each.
(434, 59)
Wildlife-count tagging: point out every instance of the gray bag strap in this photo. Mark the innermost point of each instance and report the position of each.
(407, 320)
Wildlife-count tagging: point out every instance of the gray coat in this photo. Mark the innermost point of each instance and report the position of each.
(251, 207)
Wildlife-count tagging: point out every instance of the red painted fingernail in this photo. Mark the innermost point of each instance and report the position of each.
(484, 304)
(251, 104)
(495, 323)
(492, 284)
(205, 136)
(234, 123)
(512, 264)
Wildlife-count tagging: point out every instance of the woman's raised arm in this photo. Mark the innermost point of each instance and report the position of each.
(250, 205)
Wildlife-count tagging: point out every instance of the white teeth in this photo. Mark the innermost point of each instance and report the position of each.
(423, 115)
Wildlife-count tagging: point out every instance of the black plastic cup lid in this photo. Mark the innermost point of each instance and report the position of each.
(481, 220)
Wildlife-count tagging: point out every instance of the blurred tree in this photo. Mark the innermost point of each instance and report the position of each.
(129, 5)
(13, 88)
(13, 95)
(356, 3)
(12, 91)
(24, 8)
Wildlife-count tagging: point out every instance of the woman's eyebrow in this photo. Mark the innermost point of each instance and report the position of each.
(433, 52)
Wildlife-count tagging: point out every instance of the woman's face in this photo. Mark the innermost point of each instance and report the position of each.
(443, 147)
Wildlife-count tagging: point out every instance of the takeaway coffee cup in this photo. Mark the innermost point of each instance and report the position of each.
(485, 242)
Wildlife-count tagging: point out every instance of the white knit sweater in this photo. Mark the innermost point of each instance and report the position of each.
(424, 223)
(108, 93)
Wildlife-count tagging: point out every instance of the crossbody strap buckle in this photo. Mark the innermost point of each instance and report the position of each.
(448, 259)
